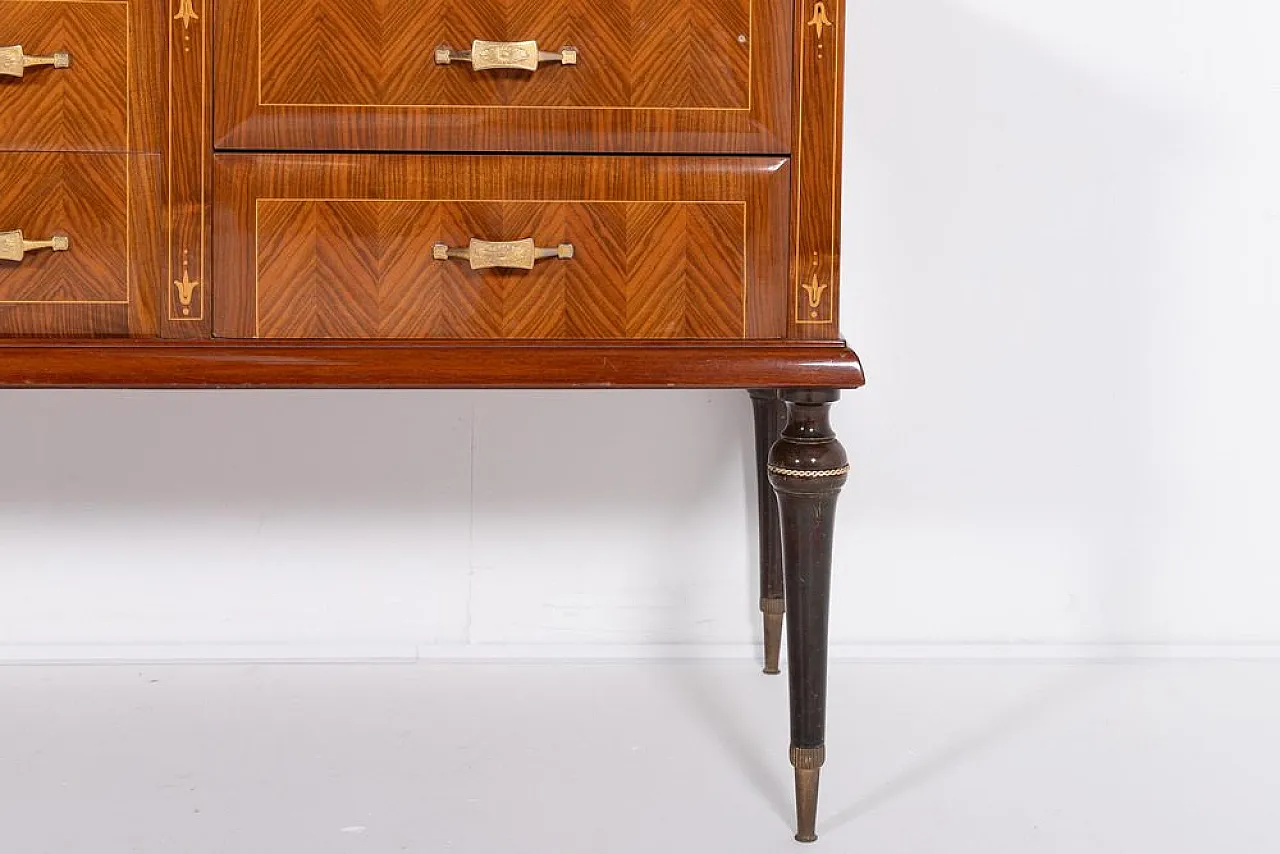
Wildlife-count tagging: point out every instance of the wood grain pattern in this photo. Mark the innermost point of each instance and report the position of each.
(310, 247)
(85, 197)
(709, 76)
(668, 54)
(816, 188)
(106, 284)
(271, 364)
(102, 173)
(147, 114)
(81, 108)
(171, 149)
(186, 299)
(360, 269)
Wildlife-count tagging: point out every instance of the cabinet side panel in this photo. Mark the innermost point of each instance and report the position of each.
(818, 114)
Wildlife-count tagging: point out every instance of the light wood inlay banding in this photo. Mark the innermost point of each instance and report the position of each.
(818, 84)
(186, 282)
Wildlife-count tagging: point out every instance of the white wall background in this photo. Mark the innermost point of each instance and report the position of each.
(1062, 245)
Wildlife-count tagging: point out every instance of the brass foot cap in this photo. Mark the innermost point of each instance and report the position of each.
(808, 762)
(772, 642)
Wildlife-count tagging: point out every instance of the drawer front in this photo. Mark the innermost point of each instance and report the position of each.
(358, 246)
(91, 200)
(662, 75)
(80, 196)
(81, 107)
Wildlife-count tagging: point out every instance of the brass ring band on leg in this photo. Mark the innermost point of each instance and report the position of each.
(809, 475)
(808, 758)
(773, 607)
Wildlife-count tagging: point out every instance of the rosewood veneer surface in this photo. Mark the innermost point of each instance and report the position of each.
(669, 76)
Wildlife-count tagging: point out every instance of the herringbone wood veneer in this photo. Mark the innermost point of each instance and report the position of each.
(707, 76)
(341, 247)
(364, 269)
(81, 108)
(80, 153)
(655, 53)
(80, 195)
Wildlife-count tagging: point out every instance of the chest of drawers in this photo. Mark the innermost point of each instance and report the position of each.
(410, 194)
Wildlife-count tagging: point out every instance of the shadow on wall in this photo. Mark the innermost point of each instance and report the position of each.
(1002, 218)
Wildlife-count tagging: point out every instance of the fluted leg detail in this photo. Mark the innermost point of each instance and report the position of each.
(807, 468)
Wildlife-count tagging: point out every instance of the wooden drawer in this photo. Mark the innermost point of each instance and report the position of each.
(82, 196)
(81, 107)
(343, 246)
(659, 76)
(85, 290)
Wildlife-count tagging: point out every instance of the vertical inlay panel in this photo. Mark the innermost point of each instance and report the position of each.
(186, 298)
(817, 168)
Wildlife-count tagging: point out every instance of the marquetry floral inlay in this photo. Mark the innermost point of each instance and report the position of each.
(186, 14)
(820, 21)
(815, 290)
(186, 287)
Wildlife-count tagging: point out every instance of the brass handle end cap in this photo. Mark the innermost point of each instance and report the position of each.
(62, 59)
(61, 243)
(444, 56)
(565, 251)
(569, 55)
(440, 252)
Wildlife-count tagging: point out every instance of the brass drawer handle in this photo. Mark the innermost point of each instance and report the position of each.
(513, 255)
(13, 246)
(14, 63)
(524, 56)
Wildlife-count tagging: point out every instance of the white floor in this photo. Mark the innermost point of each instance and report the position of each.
(644, 758)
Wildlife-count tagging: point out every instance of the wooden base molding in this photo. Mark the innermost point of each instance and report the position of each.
(203, 364)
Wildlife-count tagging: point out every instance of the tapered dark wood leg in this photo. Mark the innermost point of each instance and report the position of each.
(807, 467)
(771, 414)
